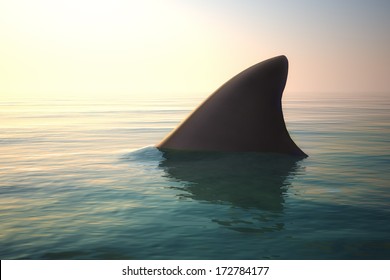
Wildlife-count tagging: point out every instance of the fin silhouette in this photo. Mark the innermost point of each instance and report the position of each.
(243, 115)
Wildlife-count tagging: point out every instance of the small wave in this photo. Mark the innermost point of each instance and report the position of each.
(145, 154)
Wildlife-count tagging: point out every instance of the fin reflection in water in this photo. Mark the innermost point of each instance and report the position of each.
(251, 183)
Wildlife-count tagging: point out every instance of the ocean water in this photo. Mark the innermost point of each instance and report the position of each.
(80, 179)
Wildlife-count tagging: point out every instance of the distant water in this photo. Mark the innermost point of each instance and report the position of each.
(82, 180)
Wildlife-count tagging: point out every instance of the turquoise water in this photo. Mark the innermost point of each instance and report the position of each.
(82, 180)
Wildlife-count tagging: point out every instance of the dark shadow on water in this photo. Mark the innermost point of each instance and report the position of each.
(251, 183)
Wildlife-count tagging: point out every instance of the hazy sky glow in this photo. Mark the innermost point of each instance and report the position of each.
(107, 48)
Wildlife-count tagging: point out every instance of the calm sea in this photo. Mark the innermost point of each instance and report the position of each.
(80, 179)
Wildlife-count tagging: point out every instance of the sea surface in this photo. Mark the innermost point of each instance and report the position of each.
(80, 179)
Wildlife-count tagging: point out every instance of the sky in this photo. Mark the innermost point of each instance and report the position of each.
(92, 48)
